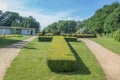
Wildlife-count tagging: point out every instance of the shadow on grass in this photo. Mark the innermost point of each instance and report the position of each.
(81, 67)
(7, 42)
(29, 47)
(10, 43)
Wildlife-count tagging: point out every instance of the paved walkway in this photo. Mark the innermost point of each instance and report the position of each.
(109, 61)
(8, 54)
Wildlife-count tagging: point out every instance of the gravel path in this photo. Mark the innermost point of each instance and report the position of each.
(8, 54)
(109, 61)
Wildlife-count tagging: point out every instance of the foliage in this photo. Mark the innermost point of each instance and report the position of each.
(60, 58)
(116, 35)
(86, 35)
(45, 38)
(13, 19)
(70, 39)
(105, 20)
(43, 33)
(63, 26)
(112, 22)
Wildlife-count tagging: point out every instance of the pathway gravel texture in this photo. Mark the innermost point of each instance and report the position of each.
(109, 61)
(8, 54)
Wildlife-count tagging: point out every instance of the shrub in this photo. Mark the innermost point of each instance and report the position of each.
(60, 58)
(116, 35)
(49, 34)
(71, 39)
(56, 33)
(39, 34)
(45, 38)
(86, 36)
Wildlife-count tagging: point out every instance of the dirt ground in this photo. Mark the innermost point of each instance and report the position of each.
(8, 54)
(109, 61)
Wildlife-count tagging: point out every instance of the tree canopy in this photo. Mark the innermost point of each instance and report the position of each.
(105, 20)
(13, 19)
(62, 26)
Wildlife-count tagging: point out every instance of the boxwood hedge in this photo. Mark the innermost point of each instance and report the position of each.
(71, 39)
(60, 57)
(45, 38)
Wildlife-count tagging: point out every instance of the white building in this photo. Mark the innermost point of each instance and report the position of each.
(16, 30)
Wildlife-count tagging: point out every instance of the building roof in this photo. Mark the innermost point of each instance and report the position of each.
(11, 27)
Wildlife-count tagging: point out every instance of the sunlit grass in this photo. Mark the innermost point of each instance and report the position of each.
(31, 64)
(109, 43)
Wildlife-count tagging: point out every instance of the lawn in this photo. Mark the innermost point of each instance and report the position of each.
(109, 43)
(10, 40)
(31, 64)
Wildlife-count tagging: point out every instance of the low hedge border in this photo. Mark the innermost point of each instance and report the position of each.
(60, 58)
(62, 65)
(45, 38)
(86, 36)
(71, 39)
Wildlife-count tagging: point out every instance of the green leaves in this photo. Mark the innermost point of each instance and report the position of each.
(116, 35)
(63, 26)
(14, 19)
(105, 20)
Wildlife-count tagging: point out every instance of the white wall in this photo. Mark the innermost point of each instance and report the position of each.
(5, 31)
(25, 32)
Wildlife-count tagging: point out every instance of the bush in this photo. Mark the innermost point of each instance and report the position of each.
(71, 39)
(45, 38)
(49, 34)
(86, 36)
(61, 65)
(116, 35)
(56, 33)
(60, 58)
(39, 34)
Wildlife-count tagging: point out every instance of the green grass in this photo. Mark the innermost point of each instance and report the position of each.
(31, 64)
(10, 40)
(109, 43)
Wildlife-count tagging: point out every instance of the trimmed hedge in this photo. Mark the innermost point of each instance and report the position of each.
(45, 38)
(60, 58)
(116, 35)
(71, 39)
(86, 36)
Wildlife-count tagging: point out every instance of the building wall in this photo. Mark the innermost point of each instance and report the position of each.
(23, 31)
(27, 32)
(5, 31)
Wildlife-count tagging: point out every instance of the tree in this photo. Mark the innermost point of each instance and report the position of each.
(13, 19)
(62, 26)
(98, 23)
(112, 22)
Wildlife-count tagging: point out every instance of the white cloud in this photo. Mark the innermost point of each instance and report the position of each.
(3, 6)
(44, 19)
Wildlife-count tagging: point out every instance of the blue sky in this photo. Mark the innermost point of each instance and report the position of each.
(49, 11)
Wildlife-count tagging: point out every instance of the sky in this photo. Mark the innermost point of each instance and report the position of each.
(49, 11)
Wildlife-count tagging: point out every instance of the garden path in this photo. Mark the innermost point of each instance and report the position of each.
(109, 61)
(9, 53)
